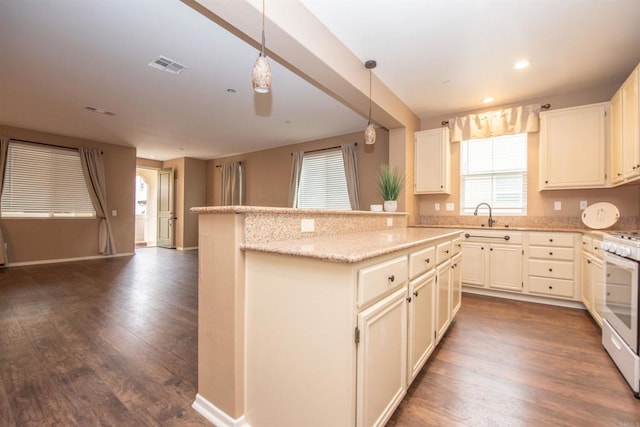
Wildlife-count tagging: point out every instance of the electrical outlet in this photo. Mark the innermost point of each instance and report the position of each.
(450, 206)
(436, 206)
(389, 222)
(583, 205)
(557, 205)
(307, 225)
(114, 213)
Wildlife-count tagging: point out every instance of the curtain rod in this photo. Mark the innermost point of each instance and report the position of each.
(48, 145)
(542, 107)
(219, 166)
(325, 149)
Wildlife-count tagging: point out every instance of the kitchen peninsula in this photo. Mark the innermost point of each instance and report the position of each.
(314, 317)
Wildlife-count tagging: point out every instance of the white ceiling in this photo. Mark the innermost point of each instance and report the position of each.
(58, 56)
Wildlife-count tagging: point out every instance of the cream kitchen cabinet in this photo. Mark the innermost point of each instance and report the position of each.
(552, 266)
(625, 130)
(421, 321)
(593, 277)
(492, 265)
(443, 298)
(456, 284)
(357, 332)
(432, 173)
(573, 147)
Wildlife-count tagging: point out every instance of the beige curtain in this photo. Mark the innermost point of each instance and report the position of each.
(232, 184)
(4, 150)
(296, 171)
(93, 169)
(351, 173)
(508, 121)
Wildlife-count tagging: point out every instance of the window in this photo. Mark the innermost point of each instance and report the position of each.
(43, 182)
(323, 184)
(494, 170)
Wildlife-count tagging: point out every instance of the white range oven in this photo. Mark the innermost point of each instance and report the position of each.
(620, 327)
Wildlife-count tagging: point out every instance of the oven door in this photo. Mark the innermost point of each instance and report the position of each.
(621, 297)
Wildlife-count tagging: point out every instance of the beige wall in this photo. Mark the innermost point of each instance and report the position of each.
(267, 172)
(148, 163)
(30, 240)
(539, 203)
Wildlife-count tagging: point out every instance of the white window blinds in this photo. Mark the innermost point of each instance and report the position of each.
(43, 182)
(323, 184)
(494, 170)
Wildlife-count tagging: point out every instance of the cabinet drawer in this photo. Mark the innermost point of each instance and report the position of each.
(381, 278)
(553, 269)
(551, 239)
(587, 244)
(554, 287)
(421, 261)
(443, 252)
(551, 253)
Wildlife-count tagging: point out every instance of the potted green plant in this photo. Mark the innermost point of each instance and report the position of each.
(390, 184)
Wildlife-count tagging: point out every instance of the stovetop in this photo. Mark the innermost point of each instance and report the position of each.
(623, 243)
(627, 235)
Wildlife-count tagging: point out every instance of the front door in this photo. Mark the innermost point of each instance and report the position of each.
(166, 217)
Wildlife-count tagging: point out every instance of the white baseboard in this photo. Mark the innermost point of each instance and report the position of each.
(189, 248)
(53, 261)
(525, 298)
(215, 415)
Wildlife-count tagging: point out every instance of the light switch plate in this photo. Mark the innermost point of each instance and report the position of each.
(389, 222)
(114, 213)
(583, 205)
(436, 206)
(450, 206)
(307, 225)
(557, 205)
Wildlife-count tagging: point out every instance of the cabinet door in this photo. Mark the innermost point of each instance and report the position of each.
(443, 298)
(474, 262)
(456, 284)
(382, 359)
(421, 321)
(617, 165)
(587, 282)
(630, 126)
(431, 162)
(572, 147)
(505, 267)
(597, 278)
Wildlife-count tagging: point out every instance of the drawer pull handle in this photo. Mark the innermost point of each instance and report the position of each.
(428, 260)
(551, 253)
(408, 299)
(505, 237)
(415, 294)
(392, 278)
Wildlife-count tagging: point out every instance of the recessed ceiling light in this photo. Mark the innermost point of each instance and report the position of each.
(487, 100)
(521, 64)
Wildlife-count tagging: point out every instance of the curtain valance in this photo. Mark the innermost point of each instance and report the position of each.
(508, 121)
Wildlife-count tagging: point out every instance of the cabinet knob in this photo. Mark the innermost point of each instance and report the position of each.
(482, 248)
(551, 253)
(428, 260)
(551, 240)
(588, 261)
(550, 287)
(392, 278)
(551, 269)
(415, 293)
(408, 299)
(619, 174)
(490, 249)
(446, 251)
(546, 182)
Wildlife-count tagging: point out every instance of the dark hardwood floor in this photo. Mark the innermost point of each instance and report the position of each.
(114, 342)
(511, 363)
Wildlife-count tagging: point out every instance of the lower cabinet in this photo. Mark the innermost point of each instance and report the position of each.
(337, 344)
(505, 267)
(421, 321)
(593, 289)
(382, 358)
(493, 265)
(456, 284)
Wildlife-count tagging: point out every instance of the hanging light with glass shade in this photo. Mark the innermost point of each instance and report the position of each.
(370, 131)
(261, 69)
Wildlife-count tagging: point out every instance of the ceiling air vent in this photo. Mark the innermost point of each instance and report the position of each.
(169, 65)
(99, 110)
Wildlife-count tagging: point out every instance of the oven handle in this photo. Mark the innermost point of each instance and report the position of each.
(620, 261)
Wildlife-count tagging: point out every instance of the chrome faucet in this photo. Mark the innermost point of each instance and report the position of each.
(491, 221)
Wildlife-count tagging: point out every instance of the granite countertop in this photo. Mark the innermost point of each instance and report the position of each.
(282, 210)
(353, 247)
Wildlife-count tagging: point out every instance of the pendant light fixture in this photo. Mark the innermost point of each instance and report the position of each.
(370, 131)
(261, 69)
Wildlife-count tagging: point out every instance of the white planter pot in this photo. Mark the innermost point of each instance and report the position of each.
(390, 205)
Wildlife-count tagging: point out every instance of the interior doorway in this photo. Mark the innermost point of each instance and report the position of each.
(146, 207)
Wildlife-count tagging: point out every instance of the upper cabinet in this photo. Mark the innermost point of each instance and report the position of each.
(625, 130)
(573, 147)
(431, 156)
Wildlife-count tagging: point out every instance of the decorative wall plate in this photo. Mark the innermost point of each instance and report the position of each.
(600, 215)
